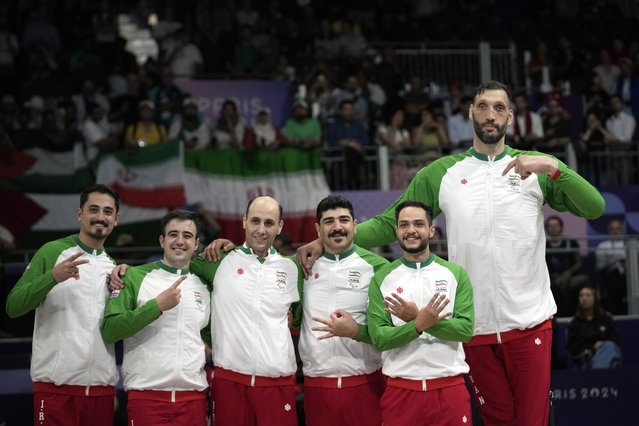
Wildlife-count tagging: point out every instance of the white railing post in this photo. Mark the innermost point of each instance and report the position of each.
(383, 168)
(485, 68)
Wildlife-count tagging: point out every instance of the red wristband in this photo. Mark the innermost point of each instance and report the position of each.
(555, 175)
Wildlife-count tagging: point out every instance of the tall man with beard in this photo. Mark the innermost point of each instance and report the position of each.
(423, 356)
(493, 197)
(73, 370)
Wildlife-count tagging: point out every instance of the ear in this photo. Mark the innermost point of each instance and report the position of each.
(431, 231)
(78, 214)
(470, 111)
(161, 239)
(317, 229)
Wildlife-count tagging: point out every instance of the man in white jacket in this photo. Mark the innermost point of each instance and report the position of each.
(342, 378)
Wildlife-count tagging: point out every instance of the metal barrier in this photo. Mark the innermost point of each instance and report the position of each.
(472, 63)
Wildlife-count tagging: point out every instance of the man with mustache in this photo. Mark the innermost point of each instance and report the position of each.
(73, 370)
(342, 377)
(423, 356)
(493, 198)
(159, 313)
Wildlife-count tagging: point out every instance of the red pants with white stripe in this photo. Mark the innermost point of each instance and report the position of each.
(511, 381)
(146, 412)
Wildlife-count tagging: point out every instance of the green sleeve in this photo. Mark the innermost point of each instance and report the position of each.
(204, 269)
(362, 334)
(377, 262)
(35, 283)
(571, 192)
(122, 317)
(459, 327)
(424, 187)
(384, 335)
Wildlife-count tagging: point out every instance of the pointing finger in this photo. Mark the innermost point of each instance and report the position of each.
(179, 281)
(509, 166)
(73, 257)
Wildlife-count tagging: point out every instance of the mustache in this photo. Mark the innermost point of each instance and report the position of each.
(337, 234)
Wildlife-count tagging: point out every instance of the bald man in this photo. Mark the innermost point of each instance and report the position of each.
(253, 289)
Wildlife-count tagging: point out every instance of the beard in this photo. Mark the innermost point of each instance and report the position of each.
(414, 250)
(487, 138)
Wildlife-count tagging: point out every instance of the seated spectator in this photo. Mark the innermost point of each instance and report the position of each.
(429, 138)
(557, 127)
(527, 128)
(350, 134)
(396, 137)
(146, 131)
(98, 133)
(167, 97)
(230, 131)
(460, 127)
(264, 134)
(416, 100)
(611, 265)
(620, 124)
(191, 127)
(89, 93)
(626, 86)
(52, 137)
(593, 342)
(302, 130)
(353, 92)
(564, 265)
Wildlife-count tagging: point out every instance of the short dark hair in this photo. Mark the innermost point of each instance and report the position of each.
(181, 215)
(248, 206)
(344, 102)
(557, 218)
(414, 203)
(333, 202)
(492, 85)
(102, 189)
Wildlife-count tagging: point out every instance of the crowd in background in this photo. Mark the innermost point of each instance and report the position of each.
(66, 75)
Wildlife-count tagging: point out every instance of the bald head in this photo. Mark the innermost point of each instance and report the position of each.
(262, 223)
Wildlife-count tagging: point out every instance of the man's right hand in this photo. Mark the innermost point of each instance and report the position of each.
(308, 254)
(430, 314)
(170, 297)
(213, 250)
(115, 279)
(68, 268)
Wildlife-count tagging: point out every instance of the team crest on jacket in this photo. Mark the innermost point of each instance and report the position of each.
(514, 181)
(399, 290)
(199, 304)
(240, 271)
(280, 279)
(114, 293)
(353, 278)
(317, 275)
(441, 286)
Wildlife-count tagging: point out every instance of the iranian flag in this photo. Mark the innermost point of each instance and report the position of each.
(151, 177)
(224, 181)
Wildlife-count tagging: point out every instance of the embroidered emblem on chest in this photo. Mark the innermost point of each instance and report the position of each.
(354, 278)
(280, 279)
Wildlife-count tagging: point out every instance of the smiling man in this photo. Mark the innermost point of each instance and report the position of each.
(72, 369)
(159, 313)
(419, 312)
(253, 289)
(493, 197)
(342, 381)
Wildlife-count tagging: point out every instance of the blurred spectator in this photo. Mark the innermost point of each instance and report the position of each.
(607, 70)
(320, 93)
(395, 136)
(185, 57)
(620, 124)
(85, 63)
(167, 97)
(557, 126)
(564, 265)
(527, 128)
(460, 127)
(349, 40)
(191, 127)
(230, 131)
(245, 53)
(353, 92)
(126, 104)
(429, 138)
(89, 93)
(626, 86)
(611, 265)
(301, 129)
(209, 227)
(246, 15)
(146, 131)
(54, 138)
(42, 76)
(541, 59)
(9, 114)
(350, 134)
(416, 99)
(597, 98)
(98, 133)
(593, 341)
(265, 135)
(594, 132)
